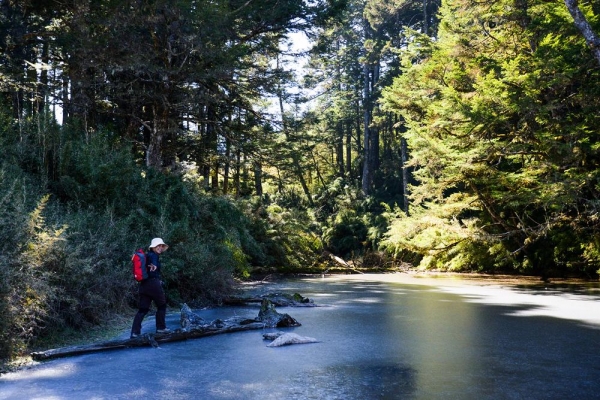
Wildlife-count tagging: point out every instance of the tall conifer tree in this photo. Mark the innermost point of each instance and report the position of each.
(500, 111)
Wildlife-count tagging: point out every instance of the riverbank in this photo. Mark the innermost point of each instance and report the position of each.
(107, 330)
(423, 277)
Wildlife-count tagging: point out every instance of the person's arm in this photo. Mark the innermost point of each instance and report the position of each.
(152, 261)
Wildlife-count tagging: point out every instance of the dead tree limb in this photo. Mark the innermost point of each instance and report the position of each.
(342, 262)
(193, 327)
(581, 22)
(278, 300)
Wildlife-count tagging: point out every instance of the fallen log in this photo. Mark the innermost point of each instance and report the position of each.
(278, 299)
(193, 327)
(342, 262)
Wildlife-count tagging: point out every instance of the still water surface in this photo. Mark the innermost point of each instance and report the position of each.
(380, 337)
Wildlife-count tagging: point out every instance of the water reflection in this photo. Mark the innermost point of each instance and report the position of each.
(438, 335)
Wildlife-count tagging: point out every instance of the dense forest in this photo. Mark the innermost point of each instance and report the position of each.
(446, 135)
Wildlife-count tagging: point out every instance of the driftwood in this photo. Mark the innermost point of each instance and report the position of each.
(192, 326)
(284, 339)
(340, 261)
(277, 299)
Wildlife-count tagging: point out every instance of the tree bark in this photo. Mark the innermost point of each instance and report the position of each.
(404, 158)
(277, 299)
(425, 18)
(339, 148)
(349, 149)
(584, 27)
(366, 172)
(154, 153)
(227, 165)
(258, 178)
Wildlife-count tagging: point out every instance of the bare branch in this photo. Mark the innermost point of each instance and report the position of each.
(584, 27)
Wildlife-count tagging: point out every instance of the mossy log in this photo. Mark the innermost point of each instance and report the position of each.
(278, 300)
(192, 326)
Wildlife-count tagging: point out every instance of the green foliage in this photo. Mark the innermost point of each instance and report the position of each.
(500, 126)
(499, 111)
(288, 236)
(29, 249)
(347, 233)
(86, 172)
(66, 250)
(351, 223)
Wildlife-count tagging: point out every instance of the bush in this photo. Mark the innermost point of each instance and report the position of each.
(28, 247)
(347, 234)
(67, 238)
(288, 239)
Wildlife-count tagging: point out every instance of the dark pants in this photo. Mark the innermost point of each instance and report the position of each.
(150, 290)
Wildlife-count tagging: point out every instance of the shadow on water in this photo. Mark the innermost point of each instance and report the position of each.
(335, 382)
(365, 381)
(582, 289)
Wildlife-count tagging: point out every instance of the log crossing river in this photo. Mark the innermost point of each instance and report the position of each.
(392, 336)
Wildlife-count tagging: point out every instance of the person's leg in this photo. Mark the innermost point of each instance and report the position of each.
(156, 292)
(161, 313)
(144, 307)
(161, 307)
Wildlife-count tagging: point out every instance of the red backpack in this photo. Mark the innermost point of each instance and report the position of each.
(140, 270)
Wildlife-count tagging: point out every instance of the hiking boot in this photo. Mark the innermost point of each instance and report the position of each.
(134, 335)
(166, 330)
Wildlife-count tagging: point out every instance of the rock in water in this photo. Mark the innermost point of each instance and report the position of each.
(291, 338)
(189, 319)
(272, 335)
(271, 318)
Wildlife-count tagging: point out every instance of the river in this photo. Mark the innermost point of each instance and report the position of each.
(392, 336)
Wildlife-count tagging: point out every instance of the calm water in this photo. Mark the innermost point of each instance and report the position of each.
(380, 337)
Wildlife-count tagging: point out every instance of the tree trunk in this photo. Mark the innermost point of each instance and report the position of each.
(366, 172)
(236, 175)
(258, 179)
(425, 18)
(584, 27)
(404, 158)
(215, 176)
(374, 147)
(244, 185)
(154, 152)
(227, 165)
(294, 154)
(340, 148)
(349, 150)
(151, 340)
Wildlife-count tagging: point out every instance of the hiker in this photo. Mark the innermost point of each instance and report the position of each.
(151, 290)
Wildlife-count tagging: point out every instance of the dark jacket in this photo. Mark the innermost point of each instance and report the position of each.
(153, 258)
